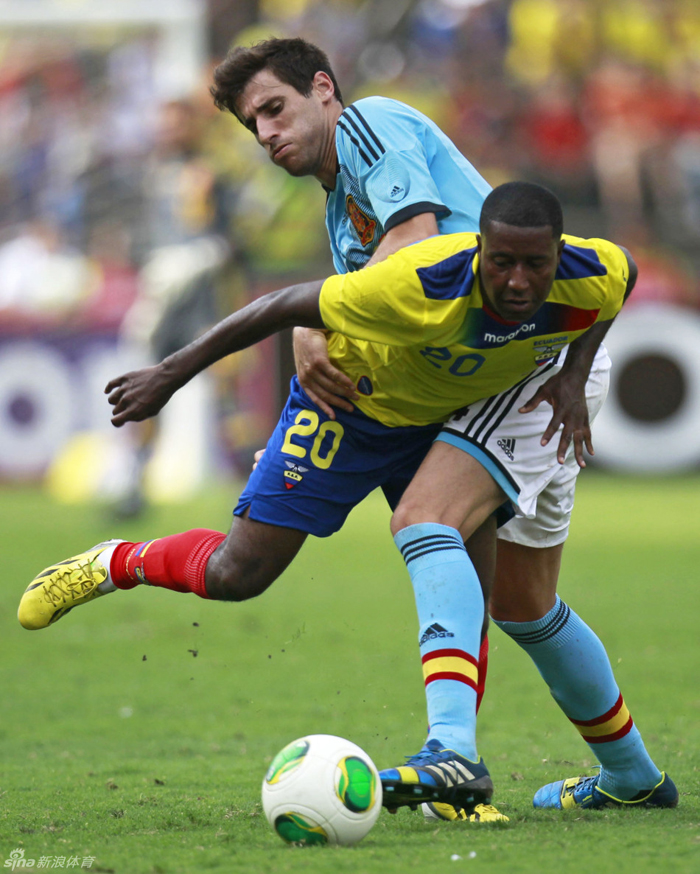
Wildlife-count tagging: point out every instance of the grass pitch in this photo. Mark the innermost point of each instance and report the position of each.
(136, 732)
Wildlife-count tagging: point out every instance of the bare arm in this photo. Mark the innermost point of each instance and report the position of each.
(566, 391)
(420, 227)
(325, 384)
(143, 393)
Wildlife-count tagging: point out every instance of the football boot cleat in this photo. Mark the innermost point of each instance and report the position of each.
(436, 774)
(60, 587)
(583, 792)
(482, 813)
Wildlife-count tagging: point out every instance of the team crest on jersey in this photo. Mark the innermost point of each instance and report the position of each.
(364, 386)
(545, 350)
(363, 224)
(293, 475)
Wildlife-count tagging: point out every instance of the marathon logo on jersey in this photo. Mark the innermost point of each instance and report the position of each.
(508, 446)
(293, 475)
(545, 350)
(525, 328)
(434, 632)
(363, 224)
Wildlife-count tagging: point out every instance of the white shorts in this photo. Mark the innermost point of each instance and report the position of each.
(507, 443)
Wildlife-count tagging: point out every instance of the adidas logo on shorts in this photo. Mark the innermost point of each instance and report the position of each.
(508, 446)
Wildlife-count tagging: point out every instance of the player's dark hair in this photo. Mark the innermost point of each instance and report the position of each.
(294, 62)
(524, 205)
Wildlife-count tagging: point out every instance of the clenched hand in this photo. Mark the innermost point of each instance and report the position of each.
(140, 394)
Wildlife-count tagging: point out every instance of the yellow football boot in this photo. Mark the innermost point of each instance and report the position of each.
(482, 813)
(59, 588)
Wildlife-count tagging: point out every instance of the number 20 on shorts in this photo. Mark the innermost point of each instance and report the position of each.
(306, 424)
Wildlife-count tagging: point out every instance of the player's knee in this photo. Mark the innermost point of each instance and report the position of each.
(408, 513)
(236, 580)
(416, 508)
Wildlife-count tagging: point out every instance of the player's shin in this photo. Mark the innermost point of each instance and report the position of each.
(576, 667)
(177, 562)
(450, 608)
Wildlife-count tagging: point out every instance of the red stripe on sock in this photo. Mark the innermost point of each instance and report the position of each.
(177, 562)
(483, 668)
(449, 675)
(608, 738)
(449, 653)
(600, 719)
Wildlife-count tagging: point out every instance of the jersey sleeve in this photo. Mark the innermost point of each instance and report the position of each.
(618, 275)
(381, 141)
(386, 304)
(592, 275)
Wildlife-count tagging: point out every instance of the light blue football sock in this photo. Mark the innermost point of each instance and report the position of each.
(450, 614)
(575, 666)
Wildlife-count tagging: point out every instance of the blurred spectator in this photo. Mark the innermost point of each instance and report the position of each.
(187, 235)
(115, 278)
(556, 139)
(42, 279)
(186, 228)
(686, 158)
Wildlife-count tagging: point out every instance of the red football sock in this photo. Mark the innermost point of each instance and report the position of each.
(483, 667)
(177, 562)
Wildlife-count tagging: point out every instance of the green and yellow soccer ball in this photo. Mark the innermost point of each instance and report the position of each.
(322, 789)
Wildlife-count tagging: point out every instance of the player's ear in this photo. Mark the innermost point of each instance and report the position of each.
(560, 250)
(323, 85)
(478, 244)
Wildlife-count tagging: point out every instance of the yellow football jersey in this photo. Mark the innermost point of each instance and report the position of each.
(413, 334)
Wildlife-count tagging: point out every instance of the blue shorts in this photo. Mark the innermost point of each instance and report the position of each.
(315, 470)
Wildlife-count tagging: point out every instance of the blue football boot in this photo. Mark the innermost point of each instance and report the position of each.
(583, 792)
(436, 774)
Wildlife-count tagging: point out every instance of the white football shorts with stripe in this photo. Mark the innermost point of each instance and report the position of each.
(507, 443)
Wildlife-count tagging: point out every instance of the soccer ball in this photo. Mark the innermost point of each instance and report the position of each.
(322, 789)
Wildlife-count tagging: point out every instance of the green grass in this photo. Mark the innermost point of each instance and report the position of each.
(131, 734)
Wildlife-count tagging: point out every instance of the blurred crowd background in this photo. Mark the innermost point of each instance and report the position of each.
(133, 213)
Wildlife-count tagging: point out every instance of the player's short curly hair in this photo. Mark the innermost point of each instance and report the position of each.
(293, 61)
(524, 205)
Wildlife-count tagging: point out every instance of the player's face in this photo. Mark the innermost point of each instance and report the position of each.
(517, 268)
(295, 131)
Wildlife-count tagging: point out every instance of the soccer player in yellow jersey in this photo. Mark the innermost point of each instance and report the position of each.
(392, 178)
(479, 323)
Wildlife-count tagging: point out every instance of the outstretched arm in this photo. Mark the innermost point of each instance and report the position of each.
(143, 393)
(566, 391)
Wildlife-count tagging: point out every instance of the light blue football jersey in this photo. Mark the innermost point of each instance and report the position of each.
(395, 163)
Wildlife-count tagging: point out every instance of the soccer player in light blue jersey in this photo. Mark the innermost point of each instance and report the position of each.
(395, 164)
